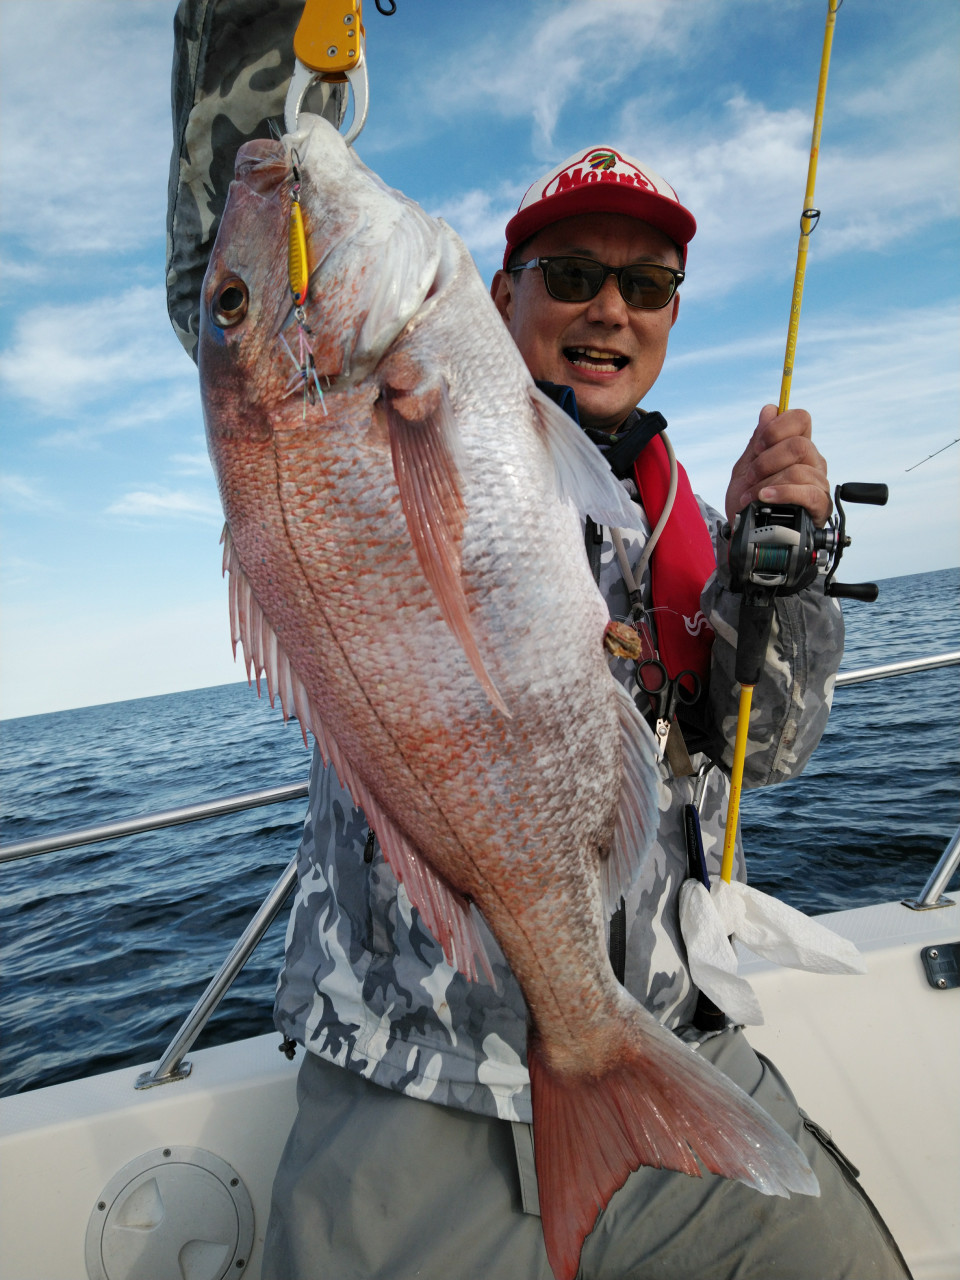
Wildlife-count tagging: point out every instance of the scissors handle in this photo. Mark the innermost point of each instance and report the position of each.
(684, 694)
(652, 676)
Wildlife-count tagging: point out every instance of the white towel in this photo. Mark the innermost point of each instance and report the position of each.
(708, 922)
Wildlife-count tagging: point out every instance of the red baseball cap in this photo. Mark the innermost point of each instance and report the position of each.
(601, 180)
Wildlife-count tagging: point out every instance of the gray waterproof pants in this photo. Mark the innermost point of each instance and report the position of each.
(373, 1185)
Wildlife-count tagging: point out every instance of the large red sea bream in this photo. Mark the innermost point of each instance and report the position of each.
(407, 565)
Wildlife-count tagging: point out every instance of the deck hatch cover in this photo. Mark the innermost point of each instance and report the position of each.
(174, 1213)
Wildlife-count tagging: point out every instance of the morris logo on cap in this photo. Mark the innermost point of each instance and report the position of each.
(597, 166)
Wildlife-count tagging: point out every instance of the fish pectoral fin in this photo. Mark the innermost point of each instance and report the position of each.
(638, 812)
(657, 1103)
(582, 474)
(422, 443)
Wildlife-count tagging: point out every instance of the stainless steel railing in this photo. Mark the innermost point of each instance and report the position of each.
(898, 669)
(172, 1065)
(13, 851)
(929, 896)
(151, 822)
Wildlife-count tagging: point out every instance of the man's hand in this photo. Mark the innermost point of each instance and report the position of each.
(781, 464)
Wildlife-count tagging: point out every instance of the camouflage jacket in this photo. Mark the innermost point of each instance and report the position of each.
(367, 987)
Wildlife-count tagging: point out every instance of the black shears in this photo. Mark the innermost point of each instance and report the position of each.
(666, 695)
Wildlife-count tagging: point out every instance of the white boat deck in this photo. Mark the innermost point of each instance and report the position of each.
(872, 1058)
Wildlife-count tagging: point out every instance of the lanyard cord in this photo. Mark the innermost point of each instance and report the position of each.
(633, 578)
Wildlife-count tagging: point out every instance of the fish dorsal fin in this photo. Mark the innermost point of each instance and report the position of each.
(581, 470)
(446, 913)
(422, 436)
(636, 817)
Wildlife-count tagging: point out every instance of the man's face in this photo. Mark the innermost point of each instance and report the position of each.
(609, 353)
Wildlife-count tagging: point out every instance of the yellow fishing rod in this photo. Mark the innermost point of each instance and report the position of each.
(771, 558)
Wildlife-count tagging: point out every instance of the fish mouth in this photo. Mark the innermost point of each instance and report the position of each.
(262, 165)
(595, 359)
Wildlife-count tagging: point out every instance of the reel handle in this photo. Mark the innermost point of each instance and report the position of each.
(853, 491)
(875, 495)
(867, 591)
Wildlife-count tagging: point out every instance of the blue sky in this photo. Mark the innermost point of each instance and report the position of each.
(111, 582)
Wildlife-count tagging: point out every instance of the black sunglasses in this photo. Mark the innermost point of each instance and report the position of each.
(646, 285)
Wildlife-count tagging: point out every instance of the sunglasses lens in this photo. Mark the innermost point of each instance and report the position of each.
(647, 286)
(644, 285)
(573, 279)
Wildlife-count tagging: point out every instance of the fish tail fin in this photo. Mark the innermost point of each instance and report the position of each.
(658, 1104)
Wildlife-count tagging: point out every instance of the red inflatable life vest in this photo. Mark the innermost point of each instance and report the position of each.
(682, 561)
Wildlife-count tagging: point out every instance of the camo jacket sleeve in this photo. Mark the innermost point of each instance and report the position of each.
(232, 63)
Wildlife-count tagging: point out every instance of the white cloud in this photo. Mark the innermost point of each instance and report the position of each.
(479, 218)
(25, 495)
(191, 464)
(166, 407)
(883, 393)
(64, 358)
(887, 165)
(86, 123)
(17, 572)
(156, 503)
(552, 56)
(884, 175)
(536, 64)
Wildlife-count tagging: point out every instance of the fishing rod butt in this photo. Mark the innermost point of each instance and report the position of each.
(753, 628)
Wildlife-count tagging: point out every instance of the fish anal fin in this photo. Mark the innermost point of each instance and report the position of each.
(660, 1104)
(422, 442)
(446, 913)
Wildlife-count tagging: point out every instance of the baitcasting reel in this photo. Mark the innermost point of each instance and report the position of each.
(777, 551)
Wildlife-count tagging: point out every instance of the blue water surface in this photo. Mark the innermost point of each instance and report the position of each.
(105, 948)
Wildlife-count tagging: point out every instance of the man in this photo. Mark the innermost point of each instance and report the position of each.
(411, 1152)
(558, 339)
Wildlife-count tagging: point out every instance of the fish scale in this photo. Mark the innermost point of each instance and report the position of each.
(407, 556)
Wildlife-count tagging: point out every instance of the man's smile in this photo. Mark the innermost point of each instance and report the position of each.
(595, 360)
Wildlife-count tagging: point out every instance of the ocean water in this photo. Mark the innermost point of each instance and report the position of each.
(105, 948)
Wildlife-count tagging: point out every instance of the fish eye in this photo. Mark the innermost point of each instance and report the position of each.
(230, 303)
